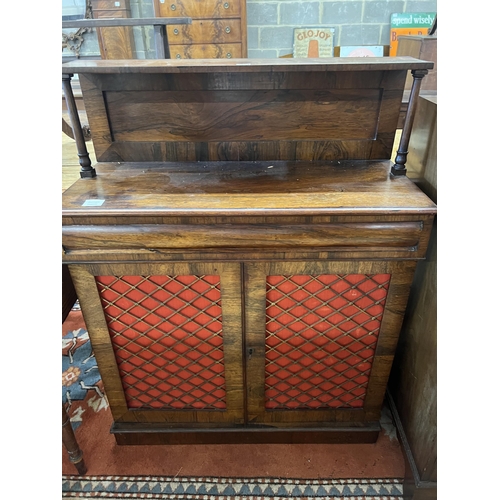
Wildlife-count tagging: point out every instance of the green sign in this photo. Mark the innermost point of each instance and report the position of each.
(412, 19)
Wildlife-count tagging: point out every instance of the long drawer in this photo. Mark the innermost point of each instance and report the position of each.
(199, 8)
(205, 30)
(206, 51)
(392, 235)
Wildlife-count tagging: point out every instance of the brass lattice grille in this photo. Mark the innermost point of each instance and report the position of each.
(321, 333)
(166, 332)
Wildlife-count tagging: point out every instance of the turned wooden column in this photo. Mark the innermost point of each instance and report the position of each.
(69, 441)
(399, 167)
(87, 169)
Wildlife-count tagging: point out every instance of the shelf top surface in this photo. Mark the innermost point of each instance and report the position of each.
(245, 65)
(245, 188)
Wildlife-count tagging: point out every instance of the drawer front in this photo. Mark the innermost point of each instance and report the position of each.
(202, 51)
(199, 8)
(205, 31)
(393, 235)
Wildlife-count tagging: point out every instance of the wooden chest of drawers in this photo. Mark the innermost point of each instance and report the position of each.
(218, 30)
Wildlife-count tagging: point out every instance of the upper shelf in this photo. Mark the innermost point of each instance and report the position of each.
(243, 109)
(246, 65)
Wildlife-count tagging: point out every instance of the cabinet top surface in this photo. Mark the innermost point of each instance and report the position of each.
(245, 188)
(245, 65)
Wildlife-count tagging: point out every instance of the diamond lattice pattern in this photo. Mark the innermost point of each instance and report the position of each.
(321, 333)
(166, 333)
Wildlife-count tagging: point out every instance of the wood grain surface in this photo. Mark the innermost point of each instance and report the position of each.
(218, 115)
(116, 42)
(219, 28)
(220, 31)
(255, 321)
(205, 9)
(245, 169)
(241, 115)
(83, 277)
(201, 51)
(241, 188)
(321, 64)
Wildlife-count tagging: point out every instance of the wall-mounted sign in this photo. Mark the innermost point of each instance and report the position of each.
(313, 42)
(409, 23)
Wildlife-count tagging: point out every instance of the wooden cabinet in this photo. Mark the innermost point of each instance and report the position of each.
(421, 47)
(218, 29)
(262, 344)
(244, 277)
(114, 42)
(413, 381)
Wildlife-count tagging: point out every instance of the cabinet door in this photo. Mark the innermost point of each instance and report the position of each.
(167, 339)
(320, 339)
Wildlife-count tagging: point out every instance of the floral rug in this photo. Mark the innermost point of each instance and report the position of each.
(82, 389)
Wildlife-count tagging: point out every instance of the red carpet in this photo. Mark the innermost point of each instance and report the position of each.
(92, 419)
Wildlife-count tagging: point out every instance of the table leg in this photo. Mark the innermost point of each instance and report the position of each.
(69, 441)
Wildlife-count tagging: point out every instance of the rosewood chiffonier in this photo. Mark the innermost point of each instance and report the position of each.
(243, 249)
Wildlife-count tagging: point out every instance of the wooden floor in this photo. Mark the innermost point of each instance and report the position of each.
(70, 165)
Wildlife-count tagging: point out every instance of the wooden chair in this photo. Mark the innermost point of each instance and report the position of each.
(68, 436)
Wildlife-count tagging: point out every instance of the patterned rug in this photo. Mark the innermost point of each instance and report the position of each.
(230, 488)
(82, 388)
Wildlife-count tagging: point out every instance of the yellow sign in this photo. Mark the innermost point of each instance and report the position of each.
(313, 42)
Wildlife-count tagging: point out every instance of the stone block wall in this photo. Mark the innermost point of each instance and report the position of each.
(356, 22)
(143, 36)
